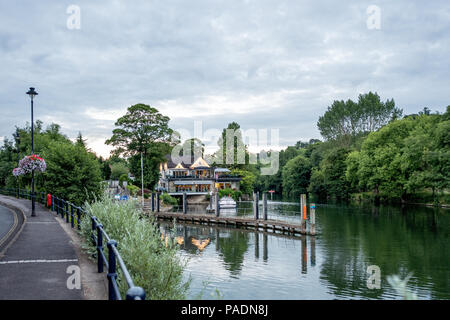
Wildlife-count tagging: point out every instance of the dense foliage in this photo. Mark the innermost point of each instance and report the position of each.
(72, 171)
(369, 153)
(152, 262)
(143, 130)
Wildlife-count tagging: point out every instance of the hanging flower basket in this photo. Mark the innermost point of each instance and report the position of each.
(30, 163)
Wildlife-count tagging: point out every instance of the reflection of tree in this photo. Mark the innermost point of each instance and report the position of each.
(232, 249)
(415, 242)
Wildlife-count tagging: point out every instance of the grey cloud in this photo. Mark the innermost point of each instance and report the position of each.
(185, 51)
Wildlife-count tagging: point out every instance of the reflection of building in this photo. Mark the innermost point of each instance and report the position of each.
(196, 179)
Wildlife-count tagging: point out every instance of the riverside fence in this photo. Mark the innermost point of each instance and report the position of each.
(73, 215)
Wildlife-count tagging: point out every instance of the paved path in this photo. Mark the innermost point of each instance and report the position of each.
(8, 221)
(35, 264)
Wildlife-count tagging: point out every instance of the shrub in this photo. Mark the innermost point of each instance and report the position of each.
(123, 178)
(152, 264)
(168, 199)
(235, 194)
(133, 189)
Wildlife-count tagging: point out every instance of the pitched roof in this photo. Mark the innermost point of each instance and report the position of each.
(200, 162)
(179, 166)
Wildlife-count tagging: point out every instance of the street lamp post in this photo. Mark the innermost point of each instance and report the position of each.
(32, 93)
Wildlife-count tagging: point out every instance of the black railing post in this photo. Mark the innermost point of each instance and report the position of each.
(67, 211)
(71, 216)
(94, 223)
(153, 201)
(135, 293)
(99, 247)
(157, 202)
(112, 274)
(78, 218)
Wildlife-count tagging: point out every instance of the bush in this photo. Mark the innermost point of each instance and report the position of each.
(152, 264)
(123, 178)
(133, 189)
(235, 194)
(118, 169)
(168, 199)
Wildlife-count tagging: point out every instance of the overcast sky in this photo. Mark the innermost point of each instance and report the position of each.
(266, 64)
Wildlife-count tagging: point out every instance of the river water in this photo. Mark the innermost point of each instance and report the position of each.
(243, 264)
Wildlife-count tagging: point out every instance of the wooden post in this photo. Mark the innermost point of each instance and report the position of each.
(304, 255)
(313, 250)
(216, 198)
(157, 202)
(265, 205)
(265, 249)
(256, 245)
(303, 212)
(184, 203)
(217, 239)
(255, 205)
(312, 219)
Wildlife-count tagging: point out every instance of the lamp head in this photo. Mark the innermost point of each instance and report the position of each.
(32, 93)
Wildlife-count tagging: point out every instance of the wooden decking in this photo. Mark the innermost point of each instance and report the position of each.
(237, 222)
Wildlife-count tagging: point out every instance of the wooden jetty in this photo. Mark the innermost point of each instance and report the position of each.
(256, 222)
(237, 222)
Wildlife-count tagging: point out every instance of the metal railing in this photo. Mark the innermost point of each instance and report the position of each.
(73, 214)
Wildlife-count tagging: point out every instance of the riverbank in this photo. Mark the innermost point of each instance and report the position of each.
(424, 198)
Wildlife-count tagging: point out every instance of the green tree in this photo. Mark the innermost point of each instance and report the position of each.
(143, 130)
(343, 120)
(118, 169)
(296, 174)
(247, 182)
(235, 155)
(72, 173)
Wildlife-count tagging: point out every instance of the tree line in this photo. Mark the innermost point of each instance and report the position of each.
(368, 151)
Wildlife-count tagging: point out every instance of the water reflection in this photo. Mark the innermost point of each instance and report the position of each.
(332, 265)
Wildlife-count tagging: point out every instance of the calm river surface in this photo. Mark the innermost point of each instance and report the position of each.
(332, 265)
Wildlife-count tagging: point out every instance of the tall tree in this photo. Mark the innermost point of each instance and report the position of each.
(232, 151)
(142, 130)
(346, 119)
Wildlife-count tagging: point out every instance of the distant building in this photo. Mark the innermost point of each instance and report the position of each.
(195, 179)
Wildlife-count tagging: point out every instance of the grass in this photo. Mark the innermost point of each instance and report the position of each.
(153, 264)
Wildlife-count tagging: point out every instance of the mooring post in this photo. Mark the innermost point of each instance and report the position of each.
(184, 203)
(304, 255)
(312, 243)
(256, 245)
(153, 202)
(265, 205)
(217, 239)
(255, 205)
(265, 249)
(312, 219)
(303, 212)
(157, 202)
(216, 199)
